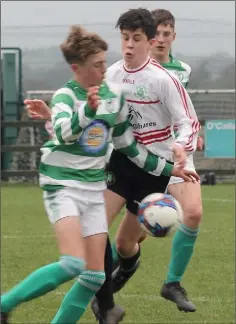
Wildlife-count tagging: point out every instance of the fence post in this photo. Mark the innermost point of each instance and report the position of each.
(10, 102)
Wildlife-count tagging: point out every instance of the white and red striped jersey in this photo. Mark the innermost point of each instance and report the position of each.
(156, 101)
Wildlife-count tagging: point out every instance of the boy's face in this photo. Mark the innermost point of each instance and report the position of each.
(135, 47)
(165, 35)
(94, 68)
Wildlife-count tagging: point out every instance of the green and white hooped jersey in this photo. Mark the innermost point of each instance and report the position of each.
(76, 155)
(181, 70)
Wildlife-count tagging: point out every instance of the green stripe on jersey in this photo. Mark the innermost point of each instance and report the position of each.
(167, 171)
(90, 113)
(151, 162)
(75, 128)
(62, 98)
(63, 114)
(131, 150)
(63, 173)
(121, 128)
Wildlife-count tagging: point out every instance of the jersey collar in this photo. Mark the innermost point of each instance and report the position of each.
(137, 69)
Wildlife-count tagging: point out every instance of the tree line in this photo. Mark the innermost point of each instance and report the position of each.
(44, 69)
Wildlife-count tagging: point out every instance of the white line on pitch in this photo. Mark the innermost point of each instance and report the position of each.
(152, 297)
(219, 200)
(6, 237)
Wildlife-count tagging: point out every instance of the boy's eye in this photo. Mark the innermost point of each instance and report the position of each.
(165, 34)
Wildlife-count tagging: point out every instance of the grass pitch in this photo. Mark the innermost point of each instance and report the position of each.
(27, 243)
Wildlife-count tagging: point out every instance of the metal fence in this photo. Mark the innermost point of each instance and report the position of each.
(25, 154)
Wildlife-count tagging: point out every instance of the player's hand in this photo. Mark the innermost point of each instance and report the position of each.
(93, 98)
(186, 175)
(179, 155)
(37, 109)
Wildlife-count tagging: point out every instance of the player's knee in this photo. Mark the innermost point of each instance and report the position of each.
(121, 244)
(72, 265)
(193, 214)
(125, 246)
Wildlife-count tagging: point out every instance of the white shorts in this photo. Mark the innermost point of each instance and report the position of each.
(88, 205)
(188, 166)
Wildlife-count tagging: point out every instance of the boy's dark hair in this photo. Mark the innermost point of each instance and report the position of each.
(137, 18)
(80, 44)
(163, 17)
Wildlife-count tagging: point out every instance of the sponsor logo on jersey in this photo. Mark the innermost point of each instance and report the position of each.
(133, 112)
(94, 137)
(142, 126)
(129, 81)
(141, 92)
(179, 75)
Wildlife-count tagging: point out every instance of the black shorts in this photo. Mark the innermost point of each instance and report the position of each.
(131, 182)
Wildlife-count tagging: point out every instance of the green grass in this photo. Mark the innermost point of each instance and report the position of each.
(27, 243)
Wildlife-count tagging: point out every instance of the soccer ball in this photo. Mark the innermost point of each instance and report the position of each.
(159, 214)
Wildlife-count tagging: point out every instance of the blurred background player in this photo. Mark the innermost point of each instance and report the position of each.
(188, 194)
(161, 52)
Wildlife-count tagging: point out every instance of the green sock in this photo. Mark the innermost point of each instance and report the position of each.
(38, 283)
(115, 255)
(182, 249)
(78, 297)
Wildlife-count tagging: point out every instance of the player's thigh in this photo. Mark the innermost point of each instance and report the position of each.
(189, 196)
(114, 204)
(63, 213)
(95, 251)
(118, 185)
(129, 230)
(94, 228)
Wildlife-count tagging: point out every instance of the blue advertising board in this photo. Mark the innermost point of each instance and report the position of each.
(220, 138)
